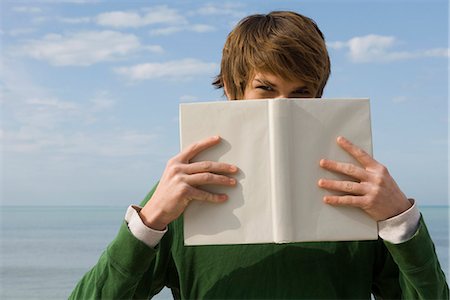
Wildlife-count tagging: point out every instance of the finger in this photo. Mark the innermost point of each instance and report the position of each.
(344, 168)
(349, 187)
(201, 195)
(359, 154)
(192, 150)
(208, 179)
(355, 201)
(209, 166)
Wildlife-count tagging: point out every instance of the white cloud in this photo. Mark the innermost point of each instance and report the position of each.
(214, 9)
(47, 140)
(154, 48)
(154, 15)
(167, 30)
(119, 143)
(40, 19)
(337, 45)
(373, 47)
(113, 144)
(399, 99)
(27, 9)
(437, 52)
(15, 82)
(202, 28)
(84, 48)
(69, 1)
(184, 68)
(122, 143)
(39, 123)
(46, 113)
(199, 28)
(52, 103)
(20, 31)
(378, 48)
(102, 101)
(26, 104)
(79, 20)
(20, 141)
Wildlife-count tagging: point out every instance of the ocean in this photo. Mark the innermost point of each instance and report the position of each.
(45, 250)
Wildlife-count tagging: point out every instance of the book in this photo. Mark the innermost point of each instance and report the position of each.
(277, 145)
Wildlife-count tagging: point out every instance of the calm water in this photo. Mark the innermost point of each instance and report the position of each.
(46, 250)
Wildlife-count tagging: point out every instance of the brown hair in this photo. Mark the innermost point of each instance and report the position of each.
(283, 43)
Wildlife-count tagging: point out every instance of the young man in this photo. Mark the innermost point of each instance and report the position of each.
(279, 55)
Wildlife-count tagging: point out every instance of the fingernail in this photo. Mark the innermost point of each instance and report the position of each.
(233, 168)
(232, 181)
(223, 197)
(342, 139)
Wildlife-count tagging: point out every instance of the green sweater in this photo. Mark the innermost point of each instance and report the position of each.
(129, 269)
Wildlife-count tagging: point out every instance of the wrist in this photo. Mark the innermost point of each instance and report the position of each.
(142, 232)
(401, 207)
(407, 203)
(152, 219)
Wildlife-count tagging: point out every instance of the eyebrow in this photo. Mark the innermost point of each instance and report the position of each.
(267, 82)
(264, 81)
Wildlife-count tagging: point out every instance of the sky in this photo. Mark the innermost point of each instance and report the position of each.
(89, 90)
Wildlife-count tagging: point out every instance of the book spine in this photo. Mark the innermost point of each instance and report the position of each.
(280, 146)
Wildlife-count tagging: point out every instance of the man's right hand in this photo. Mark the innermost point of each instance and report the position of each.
(180, 184)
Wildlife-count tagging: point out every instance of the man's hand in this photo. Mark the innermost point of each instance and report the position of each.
(375, 191)
(179, 185)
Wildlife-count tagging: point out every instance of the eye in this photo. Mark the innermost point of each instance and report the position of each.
(304, 92)
(265, 88)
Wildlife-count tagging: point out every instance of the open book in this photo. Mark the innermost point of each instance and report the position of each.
(277, 145)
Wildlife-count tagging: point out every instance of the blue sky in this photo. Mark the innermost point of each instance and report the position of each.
(90, 89)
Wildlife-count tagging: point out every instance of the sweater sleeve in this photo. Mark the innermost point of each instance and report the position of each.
(127, 269)
(411, 269)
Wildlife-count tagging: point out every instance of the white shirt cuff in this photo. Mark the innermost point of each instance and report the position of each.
(147, 235)
(402, 227)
